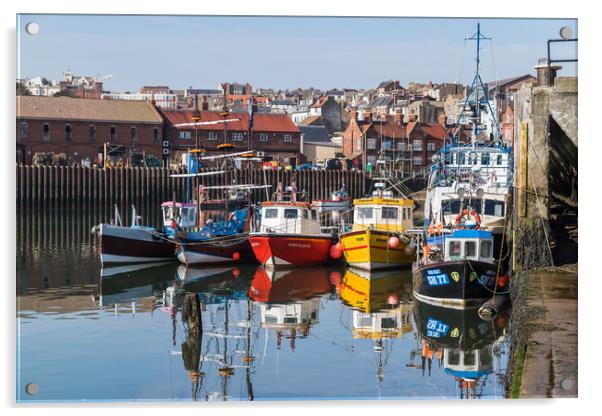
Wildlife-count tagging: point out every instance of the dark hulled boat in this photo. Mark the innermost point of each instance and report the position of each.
(466, 272)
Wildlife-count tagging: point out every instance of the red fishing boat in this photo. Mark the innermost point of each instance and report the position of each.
(289, 234)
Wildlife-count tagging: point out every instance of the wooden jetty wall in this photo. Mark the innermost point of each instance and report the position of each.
(82, 186)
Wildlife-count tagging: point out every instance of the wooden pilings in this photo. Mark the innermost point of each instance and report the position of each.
(146, 188)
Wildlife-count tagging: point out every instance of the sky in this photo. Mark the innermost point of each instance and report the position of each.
(282, 52)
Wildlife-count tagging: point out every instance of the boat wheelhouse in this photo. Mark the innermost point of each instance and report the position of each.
(289, 233)
(377, 239)
(463, 176)
(464, 272)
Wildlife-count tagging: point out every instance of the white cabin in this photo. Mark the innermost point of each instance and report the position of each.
(475, 245)
(185, 214)
(289, 218)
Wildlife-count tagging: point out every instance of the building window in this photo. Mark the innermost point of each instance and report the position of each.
(371, 159)
(401, 146)
(23, 130)
(134, 134)
(155, 135)
(185, 135)
(68, 135)
(417, 145)
(288, 138)
(263, 137)
(212, 135)
(430, 147)
(113, 133)
(237, 137)
(46, 131)
(371, 144)
(418, 161)
(92, 132)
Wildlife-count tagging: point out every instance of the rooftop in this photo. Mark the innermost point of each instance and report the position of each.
(66, 108)
(261, 121)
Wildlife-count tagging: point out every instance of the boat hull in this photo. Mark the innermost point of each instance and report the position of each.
(369, 250)
(289, 250)
(218, 251)
(133, 245)
(455, 283)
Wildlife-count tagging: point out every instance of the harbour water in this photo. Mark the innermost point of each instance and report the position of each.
(116, 334)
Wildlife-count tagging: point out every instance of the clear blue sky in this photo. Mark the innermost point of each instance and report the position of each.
(280, 52)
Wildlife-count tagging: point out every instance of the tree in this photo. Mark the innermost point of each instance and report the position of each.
(22, 89)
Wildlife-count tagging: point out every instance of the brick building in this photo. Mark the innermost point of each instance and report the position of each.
(80, 127)
(274, 134)
(410, 145)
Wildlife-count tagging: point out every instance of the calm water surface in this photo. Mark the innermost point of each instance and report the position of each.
(116, 334)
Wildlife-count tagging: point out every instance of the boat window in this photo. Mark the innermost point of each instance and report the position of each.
(403, 213)
(389, 213)
(454, 357)
(364, 213)
(499, 159)
(290, 319)
(493, 207)
(469, 358)
(388, 323)
(485, 358)
(269, 319)
(191, 215)
(365, 321)
(305, 214)
(450, 206)
(455, 248)
(461, 158)
(485, 158)
(470, 248)
(486, 248)
(314, 215)
(475, 204)
(290, 213)
(271, 213)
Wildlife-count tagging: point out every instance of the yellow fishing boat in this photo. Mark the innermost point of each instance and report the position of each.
(378, 237)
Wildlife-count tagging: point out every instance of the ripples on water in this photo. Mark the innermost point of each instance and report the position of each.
(116, 334)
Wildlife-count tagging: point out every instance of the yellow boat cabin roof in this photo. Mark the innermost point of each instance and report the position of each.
(378, 200)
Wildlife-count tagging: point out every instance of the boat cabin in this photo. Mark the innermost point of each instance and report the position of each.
(288, 218)
(475, 245)
(383, 212)
(184, 214)
(467, 364)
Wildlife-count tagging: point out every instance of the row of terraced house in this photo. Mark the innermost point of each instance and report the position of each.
(81, 128)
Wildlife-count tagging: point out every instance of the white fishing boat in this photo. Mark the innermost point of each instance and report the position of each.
(470, 183)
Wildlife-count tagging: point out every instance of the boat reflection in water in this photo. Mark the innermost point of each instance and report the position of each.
(466, 346)
(129, 283)
(382, 309)
(289, 300)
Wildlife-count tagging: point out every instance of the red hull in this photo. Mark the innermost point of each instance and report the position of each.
(286, 250)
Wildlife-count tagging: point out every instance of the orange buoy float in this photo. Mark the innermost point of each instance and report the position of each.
(393, 242)
(335, 251)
